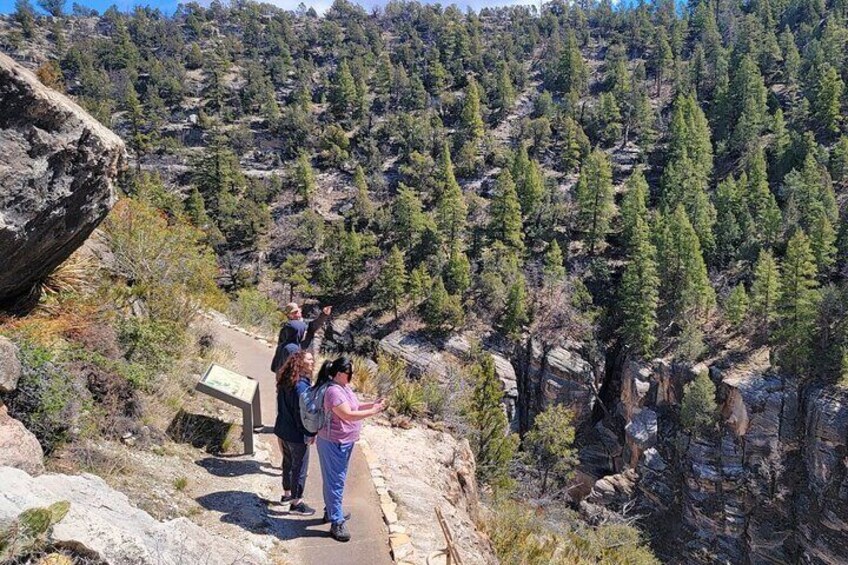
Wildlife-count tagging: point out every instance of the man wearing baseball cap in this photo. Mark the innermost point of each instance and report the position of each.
(296, 334)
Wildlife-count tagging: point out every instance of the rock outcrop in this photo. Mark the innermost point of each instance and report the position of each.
(10, 365)
(19, 448)
(448, 482)
(560, 374)
(58, 167)
(102, 520)
(769, 486)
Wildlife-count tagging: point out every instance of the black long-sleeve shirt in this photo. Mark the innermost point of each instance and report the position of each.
(298, 333)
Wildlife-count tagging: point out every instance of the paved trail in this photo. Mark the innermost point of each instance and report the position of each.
(310, 542)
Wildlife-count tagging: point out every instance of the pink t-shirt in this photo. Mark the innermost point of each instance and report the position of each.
(340, 431)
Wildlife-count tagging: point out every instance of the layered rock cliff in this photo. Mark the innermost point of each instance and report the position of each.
(58, 168)
(770, 486)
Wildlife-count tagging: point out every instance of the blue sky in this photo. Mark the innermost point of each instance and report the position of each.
(168, 6)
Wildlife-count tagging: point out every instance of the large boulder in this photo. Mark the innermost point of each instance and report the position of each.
(10, 365)
(102, 520)
(58, 167)
(18, 447)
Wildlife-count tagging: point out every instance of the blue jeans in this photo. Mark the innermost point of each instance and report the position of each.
(335, 458)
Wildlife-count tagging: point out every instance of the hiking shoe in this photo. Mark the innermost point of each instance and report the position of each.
(326, 519)
(339, 532)
(286, 498)
(301, 509)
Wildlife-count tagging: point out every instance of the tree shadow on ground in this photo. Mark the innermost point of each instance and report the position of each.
(260, 516)
(230, 467)
(202, 432)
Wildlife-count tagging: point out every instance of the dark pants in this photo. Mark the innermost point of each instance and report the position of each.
(295, 464)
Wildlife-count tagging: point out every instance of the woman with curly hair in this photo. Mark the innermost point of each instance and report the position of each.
(294, 378)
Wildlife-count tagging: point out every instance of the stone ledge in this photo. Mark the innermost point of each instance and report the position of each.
(400, 542)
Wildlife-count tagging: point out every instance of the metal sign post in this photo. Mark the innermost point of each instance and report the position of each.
(238, 390)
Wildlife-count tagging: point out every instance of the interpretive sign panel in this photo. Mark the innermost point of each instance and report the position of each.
(230, 382)
(238, 390)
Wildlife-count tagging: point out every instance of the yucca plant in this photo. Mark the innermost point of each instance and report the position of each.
(76, 274)
(407, 399)
(364, 376)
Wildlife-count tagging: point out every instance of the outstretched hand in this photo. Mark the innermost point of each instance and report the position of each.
(327, 310)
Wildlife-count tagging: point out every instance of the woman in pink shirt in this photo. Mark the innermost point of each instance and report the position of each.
(335, 441)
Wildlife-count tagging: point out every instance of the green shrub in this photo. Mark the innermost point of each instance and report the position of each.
(150, 346)
(254, 309)
(435, 396)
(521, 535)
(166, 263)
(49, 403)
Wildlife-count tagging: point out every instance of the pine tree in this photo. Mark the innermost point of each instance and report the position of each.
(797, 305)
(219, 178)
(609, 119)
(304, 178)
(420, 283)
(640, 291)
(493, 446)
(634, 206)
(823, 243)
(53, 7)
(25, 16)
(196, 210)
(839, 161)
(363, 207)
(685, 288)
(343, 95)
(575, 144)
(809, 193)
(529, 183)
(828, 99)
(550, 444)
(765, 291)
(441, 310)
(749, 102)
(471, 118)
(553, 268)
(791, 57)
(346, 253)
(730, 210)
(698, 408)
(140, 141)
(572, 76)
(504, 91)
(408, 218)
(663, 57)
(383, 77)
(515, 312)
(595, 198)
(736, 305)
(457, 274)
(295, 273)
(505, 211)
(391, 283)
(765, 214)
(686, 177)
(451, 210)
